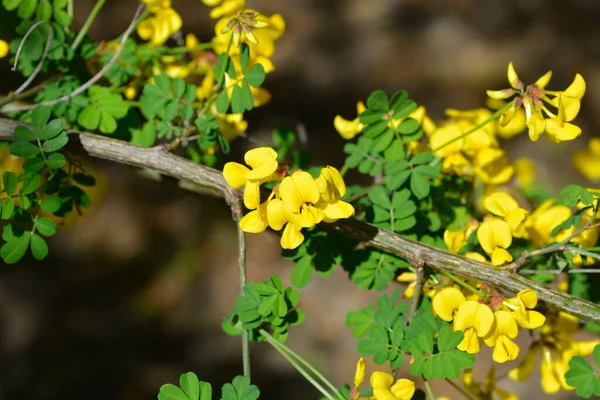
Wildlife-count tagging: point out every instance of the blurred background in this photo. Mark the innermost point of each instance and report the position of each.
(132, 295)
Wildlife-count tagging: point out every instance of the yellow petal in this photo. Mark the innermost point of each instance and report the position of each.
(500, 203)
(577, 88)
(381, 380)
(500, 256)
(505, 350)
(474, 314)
(470, 342)
(252, 195)
(532, 320)
(550, 383)
(568, 107)
(298, 189)
(359, 375)
(476, 256)
(234, 174)
(275, 214)
(291, 237)
(494, 233)
(263, 161)
(525, 369)
(543, 80)
(525, 172)
(403, 389)
(336, 210)
(446, 302)
(331, 184)
(4, 48)
(528, 297)
(255, 221)
(407, 277)
(347, 129)
(561, 131)
(513, 78)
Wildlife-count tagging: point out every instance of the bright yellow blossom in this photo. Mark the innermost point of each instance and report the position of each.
(224, 7)
(475, 320)
(4, 48)
(161, 25)
(456, 240)
(384, 387)
(359, 375)
(543, 220)
(331, 187)
(587, 161)
(500, 337)
(506, 207)
(495, 237)
(349, 129)
(539, 119)
(446, 303)
(492, 167)
(263, 163)
(522, 309)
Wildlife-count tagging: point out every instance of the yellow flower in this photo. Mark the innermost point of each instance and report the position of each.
(587, 161)
(500, 337)
(359, 375)
(411, 279)
(495, 237)
(446, 303)
(522, 308)
(525, 172)
(299, 194)
(475, 320)
(348, 129)
(242, 26)
(504, 206)
(456, 240)
(331, 187)
(538, 117)
(543, 220)
(160, 26)
(224, 7)
(231, 125)
(492, 167)
(4, 48)
(262, 160)
(384, 387)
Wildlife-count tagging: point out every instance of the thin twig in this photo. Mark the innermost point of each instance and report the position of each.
(96, 77)
(459, 389)
(14, 67)
(237, 209)
(414, 303)
(37, 88)
(428, 388)
(38, 68)
(558, 271)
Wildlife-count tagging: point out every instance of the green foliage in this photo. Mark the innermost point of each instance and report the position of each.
(40, 10)
(265, 305)
(190, 388)
(582, 375)
(43, 186)
(103, 110)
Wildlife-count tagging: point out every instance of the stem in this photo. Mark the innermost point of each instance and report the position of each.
(242, 264)
(88, 23)
(583, 252)
(282, 348)
(492, 117)
(463, 283)
(71, 11)
(414, 303)
(557, 271)
(14, 67)
(344, 169)
(38, 68)
(428, 388)
(459, 389)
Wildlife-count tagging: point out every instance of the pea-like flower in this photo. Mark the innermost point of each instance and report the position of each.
(475, 320)
(506, 207)
(495, 237)
(500, 337)
(446, 303)
(522, 309)
(384, 387)
(161, 25)
(535, 99)
(4, 48)
(349, 129)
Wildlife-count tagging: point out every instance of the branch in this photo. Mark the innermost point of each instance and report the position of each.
(93, 79)
(38, 68)
(201, 179)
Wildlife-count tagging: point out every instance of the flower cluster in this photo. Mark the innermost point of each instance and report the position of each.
(538, 118)
(161, 25)
(489, 387)
(384, 387)
(298, 201)
(495, 323)
(556, 347)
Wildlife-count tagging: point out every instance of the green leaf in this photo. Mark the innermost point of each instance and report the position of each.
(582, 376)
(13, 250)
(11, 4)
(395, 152)
(50, 204)
(222, 102)
(144, 137)
(419, 186)
(171, 392)
(35, 164)
(39, 116)
(23, 133)
(56, 143)
(361, 321)
(7, 209)
(31, 183)
(51, 130)
(104, 108)
(255, 75)
(383, 142)
(24, 149)
(46, 226)
(178, 86)
(378, 101)
(244, 55)
(429, 171)
(39, 248)
(408, 126)
(404, 111)
(398, 99)
(393, 182)
(370, 116)
(302, 272)
(44, 10)
(379, 196)
(56, 161)
(239, 389)
(423, 158)
(375, 129)
(9, 180)
(27, 8)
(190, 385)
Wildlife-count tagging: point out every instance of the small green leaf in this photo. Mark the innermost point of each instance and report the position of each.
(27, 8)
(302, 272)
(35, 164)
(582, 376)
(12, 251)
(24, 149)
(178, 86)
(378, 101)
(56, 161)
(222, 102)
(255, 75)
(9, 180)
(423, 158)
(44, 10)
(360, 321)
(239, 389)
(39, 248)
(55, 144)
(190, 385)
(89, 118)
(419, 185)
(379, 196)
(11, 4)
(50, 204)
(23, 133)
(7, 209)
(39, 117)
(31, 183)
(408, 126)
(51, 130)
(244, 56)
(171, 392)
(46, 226)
